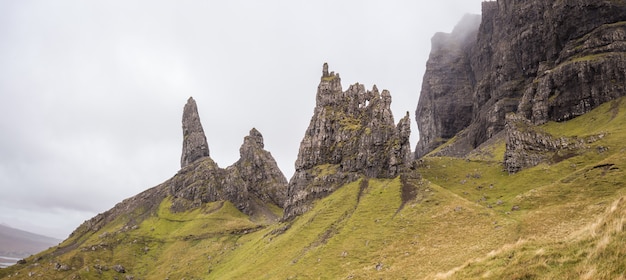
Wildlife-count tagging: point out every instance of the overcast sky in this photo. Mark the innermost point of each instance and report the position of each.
(92, 92)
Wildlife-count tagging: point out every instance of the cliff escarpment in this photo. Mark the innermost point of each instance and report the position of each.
(445, 86)
(545, 60)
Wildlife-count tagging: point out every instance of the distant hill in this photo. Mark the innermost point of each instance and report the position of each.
(18, 243)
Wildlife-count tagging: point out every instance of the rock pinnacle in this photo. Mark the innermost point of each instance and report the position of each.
(194, 141)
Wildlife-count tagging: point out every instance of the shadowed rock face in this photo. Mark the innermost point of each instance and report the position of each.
(352, 133)
(194, 141)
(546, 60)
(445, 102)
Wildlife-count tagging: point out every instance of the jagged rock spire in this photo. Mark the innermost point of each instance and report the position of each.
(260, 172)
(353, 128)
(254, 138)
(351, 134)
(194, 141)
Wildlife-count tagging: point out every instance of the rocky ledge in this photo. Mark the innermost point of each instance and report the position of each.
(528, 145)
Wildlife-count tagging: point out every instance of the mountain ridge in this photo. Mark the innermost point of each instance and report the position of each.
(19, 243)
(500, 189)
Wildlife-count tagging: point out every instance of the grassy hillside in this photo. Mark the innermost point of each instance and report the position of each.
(571, 218)
(450, 218)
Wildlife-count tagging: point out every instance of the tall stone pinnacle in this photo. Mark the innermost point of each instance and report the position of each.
(194, 141)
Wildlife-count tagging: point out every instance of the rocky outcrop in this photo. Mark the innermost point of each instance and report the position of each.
(547, 60)
(259, 172)
(251, 183)
(201, 182)
(194, 141)
(254, 178)
(527, 145)
(352, 133)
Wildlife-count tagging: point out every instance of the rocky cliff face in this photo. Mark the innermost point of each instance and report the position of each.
(445, 101)
(547, 60)
(352, 133)
(250, 184)
(588, 72)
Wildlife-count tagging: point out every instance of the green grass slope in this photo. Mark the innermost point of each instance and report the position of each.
(449, 219)
(570, 222)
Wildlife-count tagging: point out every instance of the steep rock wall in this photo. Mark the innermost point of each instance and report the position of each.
(549, 60)
(446, 102)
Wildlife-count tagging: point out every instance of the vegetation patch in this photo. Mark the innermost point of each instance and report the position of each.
(350, 123)
(324, 170)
